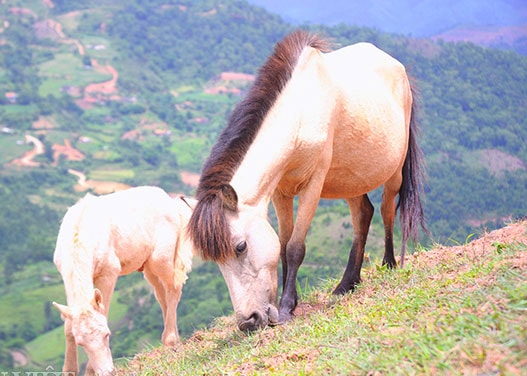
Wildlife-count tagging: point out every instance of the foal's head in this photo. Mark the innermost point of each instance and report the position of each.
(89, 327)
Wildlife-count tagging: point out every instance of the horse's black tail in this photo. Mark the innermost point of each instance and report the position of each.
(409, 204)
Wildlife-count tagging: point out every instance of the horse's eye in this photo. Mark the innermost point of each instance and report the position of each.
(241, 247)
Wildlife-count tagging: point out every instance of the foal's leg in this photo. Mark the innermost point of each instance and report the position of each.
(159, 291)
(388, 211)
(170, 335)
(168, 296)
(71, 363)
(106, 285)
(361, 214)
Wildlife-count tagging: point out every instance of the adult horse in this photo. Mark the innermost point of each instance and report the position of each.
(100, 238)
(314, 124)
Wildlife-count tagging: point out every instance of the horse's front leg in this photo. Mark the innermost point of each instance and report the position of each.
(295, 252)
(283, 206)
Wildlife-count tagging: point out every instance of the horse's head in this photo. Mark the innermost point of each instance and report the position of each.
(89, 327)
(248, 259)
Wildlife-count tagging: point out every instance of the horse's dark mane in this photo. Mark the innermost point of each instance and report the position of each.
(208, 226)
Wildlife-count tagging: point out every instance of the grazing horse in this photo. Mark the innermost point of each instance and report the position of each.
(103, 237)
(315, 124)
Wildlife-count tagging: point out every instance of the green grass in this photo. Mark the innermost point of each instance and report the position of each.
(459, 310)
(112, 174)
(10, 149)
(25, 307)
(204, 97)
(17, 109)
(66, 70)
(189, 152)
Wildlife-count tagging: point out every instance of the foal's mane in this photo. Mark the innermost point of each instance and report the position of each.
(208, 226)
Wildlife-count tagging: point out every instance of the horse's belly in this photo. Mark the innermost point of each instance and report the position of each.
(349, 183)
(132, 252)
(359, 169)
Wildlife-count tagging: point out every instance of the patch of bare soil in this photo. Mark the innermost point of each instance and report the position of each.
(229, 82)
(23, 11)
(512, 234)
(476, 250)
(42, 123)
(146, 127)
(67, 150)
(19, 358)
(190, 178)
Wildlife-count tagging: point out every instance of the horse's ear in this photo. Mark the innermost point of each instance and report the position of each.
(229, 197)
(191, 202)
(97, 300)
(65, 311)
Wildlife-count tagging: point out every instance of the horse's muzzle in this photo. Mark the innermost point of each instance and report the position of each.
(254, 322)
(258, 320)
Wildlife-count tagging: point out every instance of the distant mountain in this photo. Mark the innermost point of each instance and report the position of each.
(496, 23)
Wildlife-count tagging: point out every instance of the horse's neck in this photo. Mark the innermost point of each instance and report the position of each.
(260, 171)
(292, 127)
(77, 274)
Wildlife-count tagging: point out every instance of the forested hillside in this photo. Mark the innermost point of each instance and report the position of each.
(97, 96)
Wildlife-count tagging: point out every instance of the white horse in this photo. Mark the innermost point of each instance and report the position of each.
(100, 238)
(315, 124)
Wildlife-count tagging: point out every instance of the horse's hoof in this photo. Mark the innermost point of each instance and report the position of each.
(341, 290)
(285, 317)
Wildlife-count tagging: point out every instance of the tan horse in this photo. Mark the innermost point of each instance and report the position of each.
(100, 238)
(314, 124)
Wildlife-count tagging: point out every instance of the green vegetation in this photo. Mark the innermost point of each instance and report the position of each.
(160, 121)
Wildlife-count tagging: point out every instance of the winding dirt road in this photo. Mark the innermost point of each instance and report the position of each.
(99, 187)
(27, 158)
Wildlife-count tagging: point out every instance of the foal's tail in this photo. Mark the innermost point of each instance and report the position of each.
(411, 208)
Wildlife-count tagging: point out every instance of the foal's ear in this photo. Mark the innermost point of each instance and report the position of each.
(65, 311)
(229, 196)
(97, 300)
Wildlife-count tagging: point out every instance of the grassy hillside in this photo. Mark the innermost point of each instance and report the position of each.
(457, 310)
(132, 93)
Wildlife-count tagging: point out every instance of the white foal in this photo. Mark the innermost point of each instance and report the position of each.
(100, 238)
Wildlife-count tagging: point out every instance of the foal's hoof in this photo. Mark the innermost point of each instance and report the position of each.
(171, 340)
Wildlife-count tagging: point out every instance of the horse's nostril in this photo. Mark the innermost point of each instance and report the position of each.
(254, 322)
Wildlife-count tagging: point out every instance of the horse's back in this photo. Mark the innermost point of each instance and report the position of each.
(371, 127)
(364, 68)
(124, 228)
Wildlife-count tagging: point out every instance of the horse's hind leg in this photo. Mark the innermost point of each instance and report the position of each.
(361, 214)
(388, 210)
